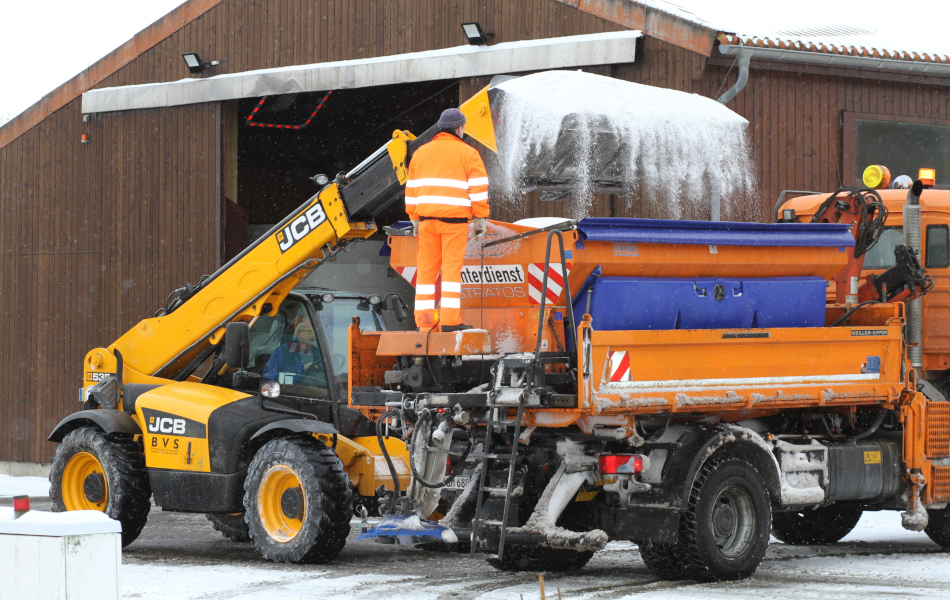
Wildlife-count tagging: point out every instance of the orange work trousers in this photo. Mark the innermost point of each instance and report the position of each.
(441, 246)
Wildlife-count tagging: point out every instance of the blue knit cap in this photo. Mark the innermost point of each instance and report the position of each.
(452, 118)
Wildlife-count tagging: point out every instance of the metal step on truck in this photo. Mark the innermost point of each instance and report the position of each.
(685, 385)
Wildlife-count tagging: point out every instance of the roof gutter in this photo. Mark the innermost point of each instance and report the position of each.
(834, 60)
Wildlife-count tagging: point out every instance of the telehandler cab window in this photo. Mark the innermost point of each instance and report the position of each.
(881, 255)
(336, 317)
(284, 349)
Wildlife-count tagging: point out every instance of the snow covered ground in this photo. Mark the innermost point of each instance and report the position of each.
(878, 558)
(17, 486)
(180, 557)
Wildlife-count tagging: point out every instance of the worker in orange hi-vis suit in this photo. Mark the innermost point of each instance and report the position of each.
(447, 188)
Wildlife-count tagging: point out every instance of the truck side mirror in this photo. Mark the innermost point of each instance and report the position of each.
(237, 345)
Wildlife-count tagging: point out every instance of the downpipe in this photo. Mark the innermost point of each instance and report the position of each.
(915, 327)
(743, 62)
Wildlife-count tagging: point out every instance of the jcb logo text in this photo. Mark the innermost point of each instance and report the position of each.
(297, 229)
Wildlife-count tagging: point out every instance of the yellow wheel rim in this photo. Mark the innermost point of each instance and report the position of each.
(84, 483)
(282, 505)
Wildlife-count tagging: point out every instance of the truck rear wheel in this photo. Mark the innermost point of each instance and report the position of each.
(537, 558)
(663, 559)
(725, 531)
(822, 525)
(298, 501)
(233, 527)
(938, 526)
(95, 471)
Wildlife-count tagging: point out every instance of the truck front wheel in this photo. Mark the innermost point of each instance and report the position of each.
(95, 471)
(298, 501)
(938, 527)
(725, 531)
(822, 525)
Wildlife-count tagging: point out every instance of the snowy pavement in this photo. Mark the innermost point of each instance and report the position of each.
(17, 486)
(180, 557)
(878, 558)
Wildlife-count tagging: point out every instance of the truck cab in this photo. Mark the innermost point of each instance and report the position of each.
(935, 250)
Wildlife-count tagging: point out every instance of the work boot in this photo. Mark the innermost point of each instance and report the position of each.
(463, 327)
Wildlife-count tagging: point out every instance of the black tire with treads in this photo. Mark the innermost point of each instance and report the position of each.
(233, 527)
(938, 527)
(727, 496)
(663, 559)
(822, 525)
(129, 493)
(328, 501)
(537, 558)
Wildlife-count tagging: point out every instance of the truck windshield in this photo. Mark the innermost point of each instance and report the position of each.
(881, 255)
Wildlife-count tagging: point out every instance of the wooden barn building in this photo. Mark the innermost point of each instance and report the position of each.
(137, 176)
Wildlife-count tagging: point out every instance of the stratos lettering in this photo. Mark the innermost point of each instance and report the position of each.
(298, 228)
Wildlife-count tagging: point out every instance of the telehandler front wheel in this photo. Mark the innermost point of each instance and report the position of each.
(231, 526)
(95, 471)
(298, 501)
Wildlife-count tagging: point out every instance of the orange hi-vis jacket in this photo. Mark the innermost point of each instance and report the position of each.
(447, 179)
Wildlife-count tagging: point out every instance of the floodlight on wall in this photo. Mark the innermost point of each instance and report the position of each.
(475, 35)
(195, 64)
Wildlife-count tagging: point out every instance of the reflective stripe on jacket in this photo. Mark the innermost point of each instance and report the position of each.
(447, 178)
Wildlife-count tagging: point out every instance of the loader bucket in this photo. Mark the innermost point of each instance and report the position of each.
(571, 133)
(408, 530)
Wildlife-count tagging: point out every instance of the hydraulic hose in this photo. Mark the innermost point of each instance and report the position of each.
(389, 461)
(850, 311)
(870, 430)
(422, 428)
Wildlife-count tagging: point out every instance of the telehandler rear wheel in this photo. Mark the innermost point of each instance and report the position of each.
(233, 527)
(822, 525)
(95, 471)
(725, 531)
(298, 501)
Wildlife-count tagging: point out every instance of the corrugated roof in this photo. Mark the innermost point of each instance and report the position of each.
(910, 30)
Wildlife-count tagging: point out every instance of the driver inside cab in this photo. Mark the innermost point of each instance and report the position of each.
(297, 362)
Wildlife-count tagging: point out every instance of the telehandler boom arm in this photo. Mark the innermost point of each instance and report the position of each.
(257, 280)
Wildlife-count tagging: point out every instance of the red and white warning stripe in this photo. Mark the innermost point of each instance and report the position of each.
(536, 281)
(619, 366)
(408, 273)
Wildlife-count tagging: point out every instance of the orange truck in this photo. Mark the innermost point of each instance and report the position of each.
(688, 386)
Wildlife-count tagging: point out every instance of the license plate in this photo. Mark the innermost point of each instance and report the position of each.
(458, 483)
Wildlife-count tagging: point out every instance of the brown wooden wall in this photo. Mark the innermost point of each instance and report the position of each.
(94, 236)
(796, 124)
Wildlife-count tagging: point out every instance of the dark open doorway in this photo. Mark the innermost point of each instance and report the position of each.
(293, 137)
